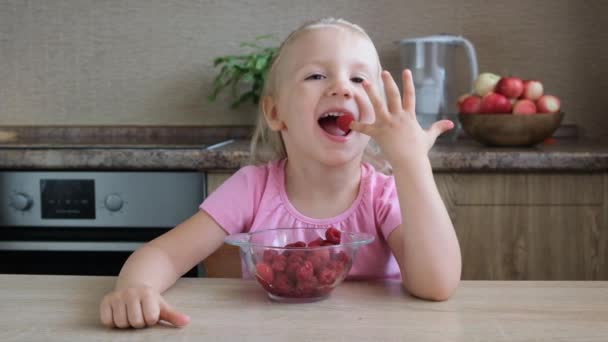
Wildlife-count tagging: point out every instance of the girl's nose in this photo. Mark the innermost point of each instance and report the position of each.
(341, 88)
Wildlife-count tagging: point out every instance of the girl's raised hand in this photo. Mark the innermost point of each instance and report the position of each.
(396, 129)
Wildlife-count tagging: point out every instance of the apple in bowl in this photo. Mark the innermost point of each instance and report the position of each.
(509, 111)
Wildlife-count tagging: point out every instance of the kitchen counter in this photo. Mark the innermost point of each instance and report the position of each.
(228, 149)
(65, 308)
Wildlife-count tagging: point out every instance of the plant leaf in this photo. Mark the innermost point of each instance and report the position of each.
(245, 71)
(264, 36)
(242, 99)
(260, 63)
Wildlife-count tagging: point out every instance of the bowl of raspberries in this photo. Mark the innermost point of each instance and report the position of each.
(299, 265)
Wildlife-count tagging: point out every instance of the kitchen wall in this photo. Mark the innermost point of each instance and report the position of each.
(91, 62)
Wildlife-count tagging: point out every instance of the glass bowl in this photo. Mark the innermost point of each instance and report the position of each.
(299, 264)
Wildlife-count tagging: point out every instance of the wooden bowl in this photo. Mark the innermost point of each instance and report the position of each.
(510, 129)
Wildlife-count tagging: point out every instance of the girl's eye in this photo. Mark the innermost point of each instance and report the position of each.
(315, 77)
(357, 79)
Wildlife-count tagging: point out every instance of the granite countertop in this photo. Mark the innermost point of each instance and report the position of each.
(227, 148)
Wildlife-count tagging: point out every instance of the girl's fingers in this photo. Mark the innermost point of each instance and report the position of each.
(169, 314)
(150, 306)
(439, 128)
(105, 311)
(393, 98)
(119, 314)
(376, 100)
(134, 314)
(361, 127)
(409, 93)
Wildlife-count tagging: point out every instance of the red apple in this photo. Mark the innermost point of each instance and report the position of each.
(511, 87)
(462, 97)
(495, 103)
(548, 104)
(524, 107)
(485, 83)
(533, 90)
(470, 104)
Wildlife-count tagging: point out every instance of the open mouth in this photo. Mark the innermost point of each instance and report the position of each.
(329, 123)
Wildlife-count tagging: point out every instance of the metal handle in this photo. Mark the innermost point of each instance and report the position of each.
(69, 246)
(470, 49)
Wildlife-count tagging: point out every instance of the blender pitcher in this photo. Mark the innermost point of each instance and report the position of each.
(439, 78)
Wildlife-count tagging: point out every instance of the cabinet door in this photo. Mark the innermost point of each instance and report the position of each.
(215, 179)
(226, 261)
(529, 226)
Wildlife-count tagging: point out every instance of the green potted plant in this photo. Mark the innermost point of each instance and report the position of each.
(244, 74)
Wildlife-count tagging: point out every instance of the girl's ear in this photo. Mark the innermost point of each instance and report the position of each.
(271, 115)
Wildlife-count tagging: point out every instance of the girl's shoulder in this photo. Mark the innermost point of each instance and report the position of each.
(376, 184)
(259, 174)
(370, 174)
(262, 170)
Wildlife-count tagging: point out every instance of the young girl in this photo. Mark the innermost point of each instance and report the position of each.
(313, 175)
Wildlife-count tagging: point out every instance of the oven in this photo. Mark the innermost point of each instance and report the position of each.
(88, 223)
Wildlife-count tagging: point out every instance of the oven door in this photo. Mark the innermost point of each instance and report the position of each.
(73, 251)
(81, 222)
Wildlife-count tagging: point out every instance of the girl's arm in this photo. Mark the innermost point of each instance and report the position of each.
(136, 302)
(159, 263)
(425, 244)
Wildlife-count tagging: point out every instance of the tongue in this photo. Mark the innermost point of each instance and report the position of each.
(331, 127)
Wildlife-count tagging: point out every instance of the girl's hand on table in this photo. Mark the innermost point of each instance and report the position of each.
(138, 307)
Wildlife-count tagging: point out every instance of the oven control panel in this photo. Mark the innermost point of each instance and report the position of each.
(67, 198)
(99, 199)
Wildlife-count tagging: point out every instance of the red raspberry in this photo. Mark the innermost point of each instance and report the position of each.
(282, 285)
(317, 262)
(344, 121)
(333, 235)
(269, 254)
(323, 253)
(319, 258)
(341, 257)
(336, 266)
(296, 257)
(291, 270)
(327, 276)
(264, 271)
(297, 244)
(294, 251)
(315, 243)
(306, 288)
(279, 263)
(305, 272)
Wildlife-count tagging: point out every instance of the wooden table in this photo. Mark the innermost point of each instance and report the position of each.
(65, 308)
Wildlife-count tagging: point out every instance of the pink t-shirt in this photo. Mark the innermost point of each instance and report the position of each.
(254, 198)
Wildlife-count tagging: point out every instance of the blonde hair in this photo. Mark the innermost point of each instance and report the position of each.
(266, 144)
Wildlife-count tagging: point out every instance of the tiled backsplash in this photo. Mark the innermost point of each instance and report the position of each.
(74, 62)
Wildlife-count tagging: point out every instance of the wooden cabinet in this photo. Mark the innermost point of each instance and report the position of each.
(529, 226)
(511, 226)
(226, 261)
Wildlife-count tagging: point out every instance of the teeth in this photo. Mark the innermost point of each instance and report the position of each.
(336, 114)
